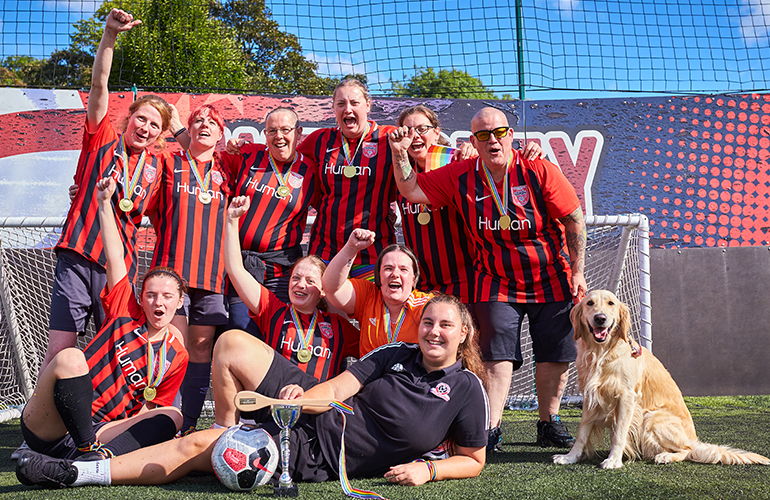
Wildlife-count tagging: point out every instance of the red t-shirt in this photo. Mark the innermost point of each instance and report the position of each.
(117, 359)
(529, 262)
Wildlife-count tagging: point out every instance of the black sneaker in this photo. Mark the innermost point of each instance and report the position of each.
(554, 433)
(37, 469)
(495, 439)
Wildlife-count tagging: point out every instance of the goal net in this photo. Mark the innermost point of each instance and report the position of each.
(617, 259)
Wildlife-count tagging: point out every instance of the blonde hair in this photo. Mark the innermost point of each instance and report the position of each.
(353, 82)
(156, 102)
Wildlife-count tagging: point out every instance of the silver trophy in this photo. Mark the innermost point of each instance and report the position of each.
(285, 416)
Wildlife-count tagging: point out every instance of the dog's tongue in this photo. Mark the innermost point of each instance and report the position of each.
(600, 335)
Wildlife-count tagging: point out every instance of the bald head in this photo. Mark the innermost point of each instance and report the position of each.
(495, 151)
(488, 115)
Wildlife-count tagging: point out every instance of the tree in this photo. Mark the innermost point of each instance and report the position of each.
(275, 60)
(445, 83)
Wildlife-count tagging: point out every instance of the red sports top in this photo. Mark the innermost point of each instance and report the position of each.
(370, 314)
(443, 248)
(272, 223)
(349, 203)
(528, 262)
(117, 359)
(100, 157)
(333, 338)
(190, 234)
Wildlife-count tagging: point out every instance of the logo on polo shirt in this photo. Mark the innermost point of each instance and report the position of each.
(373, 321)
(398, 367)
(441, 390)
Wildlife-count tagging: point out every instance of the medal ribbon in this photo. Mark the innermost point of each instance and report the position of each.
(347, 488)
(305, 339)
(502, 205)
(128, 190)
(399, 321)
(346, 146)
(156, 371)
(202, 183)
(282, 179)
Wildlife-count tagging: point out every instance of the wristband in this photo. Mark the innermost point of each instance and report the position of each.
(179, 132)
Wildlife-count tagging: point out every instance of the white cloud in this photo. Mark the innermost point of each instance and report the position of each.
(756, 25)
(568, 5)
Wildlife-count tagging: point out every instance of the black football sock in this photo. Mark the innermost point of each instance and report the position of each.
(194, 389)
(146, 432)
(72, 398)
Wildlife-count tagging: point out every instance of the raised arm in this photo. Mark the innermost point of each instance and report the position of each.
(177, 128)
(406, 178)
(575, 229)
(111, 240)
(248, 288)
(99, 97)
(339, 291)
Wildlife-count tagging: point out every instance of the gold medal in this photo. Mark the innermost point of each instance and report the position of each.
(149, 393)
(204, 198)
(349, 171)
(505, 222)
(283, 191)
(423, 218)
(304, 355)
(126, 204)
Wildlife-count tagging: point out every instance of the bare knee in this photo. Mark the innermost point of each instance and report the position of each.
(69, 363)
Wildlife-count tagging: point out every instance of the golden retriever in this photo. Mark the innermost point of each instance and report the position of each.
(632, 395)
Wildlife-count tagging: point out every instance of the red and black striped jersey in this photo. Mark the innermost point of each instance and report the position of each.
(528, 262)
(348, 203)
(117, 359)
(443, 248)
(101, 157)
(190, 233)
(272, 222)
(333, 338)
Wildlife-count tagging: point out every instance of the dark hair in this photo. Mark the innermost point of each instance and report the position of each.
(396, 248)
(165, 271)
(321, 265)
(427, 113)
(468, 351)
(156, 102)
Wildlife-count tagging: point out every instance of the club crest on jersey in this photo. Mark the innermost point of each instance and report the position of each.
(369, 149)
(295, 180)
(373, 321)
(326, 330)
(520, 195)
(216, 177)
(149, 173)
(398, 368)
(441, 390)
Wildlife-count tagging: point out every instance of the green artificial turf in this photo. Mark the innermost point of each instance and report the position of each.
(522, 470)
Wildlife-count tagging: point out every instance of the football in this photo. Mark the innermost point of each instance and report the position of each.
(244, 457)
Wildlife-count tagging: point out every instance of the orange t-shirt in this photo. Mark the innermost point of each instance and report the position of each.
(370, 314)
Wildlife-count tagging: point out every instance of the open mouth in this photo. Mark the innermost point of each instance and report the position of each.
(395, 286)
(158, 313)
(600, 335)
(350, 122)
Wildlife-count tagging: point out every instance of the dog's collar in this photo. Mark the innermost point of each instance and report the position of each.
(636, 349)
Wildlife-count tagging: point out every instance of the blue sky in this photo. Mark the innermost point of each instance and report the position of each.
(678, 46)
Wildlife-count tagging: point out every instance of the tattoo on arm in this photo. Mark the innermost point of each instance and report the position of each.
(576, 240)
(349, 263)
(407, 172)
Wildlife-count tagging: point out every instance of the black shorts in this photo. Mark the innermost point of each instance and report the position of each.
(76, 295)
(306, 460)
(549, 327)
(203, 307)
(64, 447)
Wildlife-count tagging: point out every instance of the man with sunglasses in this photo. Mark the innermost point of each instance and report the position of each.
(524, 218)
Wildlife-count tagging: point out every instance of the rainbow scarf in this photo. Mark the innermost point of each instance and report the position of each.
(347, 488)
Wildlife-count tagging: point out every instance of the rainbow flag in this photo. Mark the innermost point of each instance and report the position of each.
(438, 156)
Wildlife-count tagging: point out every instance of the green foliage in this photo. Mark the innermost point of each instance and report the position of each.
(275, 60)
(446, 83)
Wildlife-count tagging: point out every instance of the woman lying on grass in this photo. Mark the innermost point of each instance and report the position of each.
(407, 399)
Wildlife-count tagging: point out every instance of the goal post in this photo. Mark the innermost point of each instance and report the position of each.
(617, 258)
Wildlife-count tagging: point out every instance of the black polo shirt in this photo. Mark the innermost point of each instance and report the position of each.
(403, 411)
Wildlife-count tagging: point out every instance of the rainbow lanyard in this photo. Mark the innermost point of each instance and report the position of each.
(502, 204)
(399, 321)
(347, 488)
(157, 370)
(305, 339)
(203, 183)
(129, 189)
(282, 179)
(346, 146)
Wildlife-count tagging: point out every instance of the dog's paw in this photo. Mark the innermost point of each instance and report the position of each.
(612, 463)
(564, 459)
(665, 458)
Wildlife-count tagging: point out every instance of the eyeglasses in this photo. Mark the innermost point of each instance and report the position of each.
(423, 129)
(483, 135)
(271, 132)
